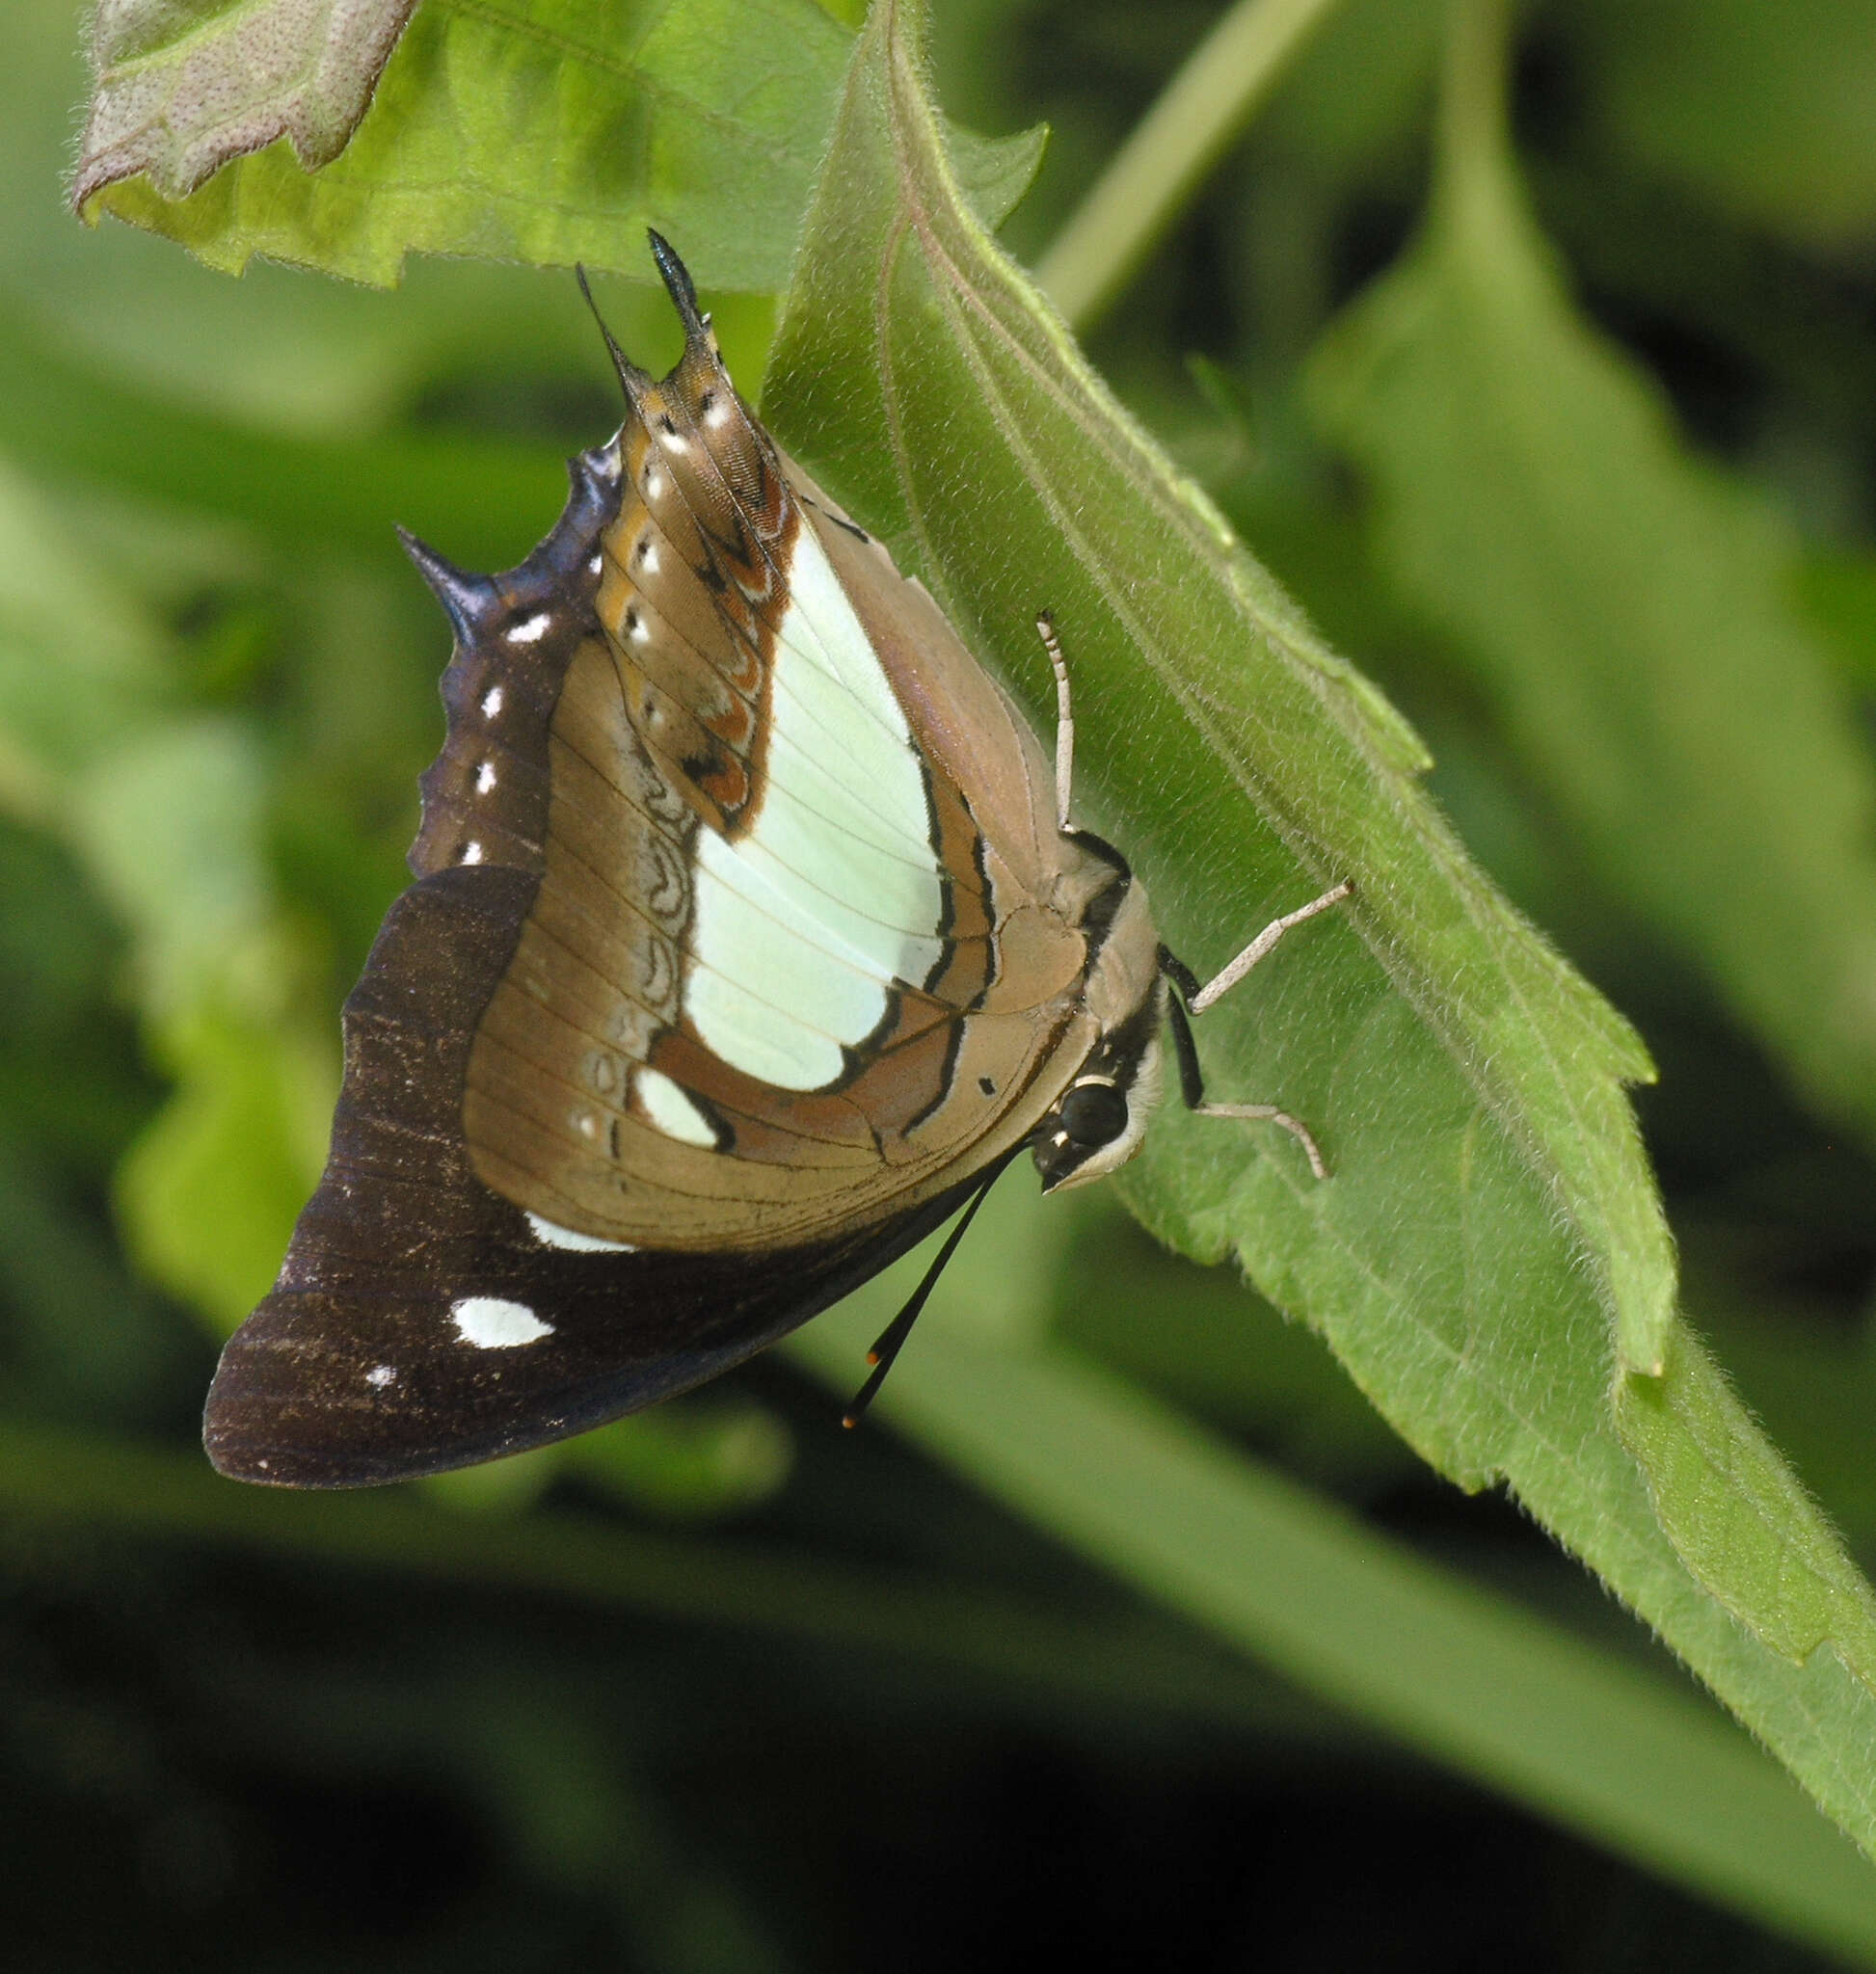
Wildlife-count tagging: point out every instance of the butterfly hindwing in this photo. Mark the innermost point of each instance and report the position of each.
(421, 1322)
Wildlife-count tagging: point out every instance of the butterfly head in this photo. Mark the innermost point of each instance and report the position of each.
(1101, 1118)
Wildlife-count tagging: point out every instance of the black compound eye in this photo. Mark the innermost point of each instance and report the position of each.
(1093, 1113)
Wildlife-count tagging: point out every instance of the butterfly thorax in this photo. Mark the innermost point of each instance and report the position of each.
(1100, 1118)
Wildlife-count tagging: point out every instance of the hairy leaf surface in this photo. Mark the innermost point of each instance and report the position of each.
(1490, 1230)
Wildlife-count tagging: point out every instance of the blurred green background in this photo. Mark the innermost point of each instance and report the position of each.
(722, 1687)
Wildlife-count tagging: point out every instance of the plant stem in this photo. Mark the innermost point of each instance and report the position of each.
(1473, 149)
(1198, 115)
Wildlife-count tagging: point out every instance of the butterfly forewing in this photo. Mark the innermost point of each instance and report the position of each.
(766, 989)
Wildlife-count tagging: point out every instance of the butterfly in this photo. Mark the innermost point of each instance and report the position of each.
(751, 939)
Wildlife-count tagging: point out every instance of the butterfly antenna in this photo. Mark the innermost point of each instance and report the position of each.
(630, 376)
(892, 1339)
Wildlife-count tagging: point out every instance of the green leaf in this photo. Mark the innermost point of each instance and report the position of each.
(537, 130)
(1813, 1384)
(166, 811)
(172, 828)
(1762, 106)
(79, 655)
(1631, 614)
(1215, 1350)
(208, 1195)
(1490, 1226)
(947, 406)
(170, 824)
(71, 424)
(1837, 588)
(692, 1459)
(1578, 1734)
(1732, 1507)
(182, 89)
(995, 172)
(77, 1333)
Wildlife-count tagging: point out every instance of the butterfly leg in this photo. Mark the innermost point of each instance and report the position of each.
(1264, 945)
(1045, 628)
(1189, 994)
(1192, 1087)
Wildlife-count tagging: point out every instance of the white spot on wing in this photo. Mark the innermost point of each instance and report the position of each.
(718, 415)
(596, 564)
(492, 1323)
(471, 853)
(492, 702)
(653, 483)
(670, 1108)
(530, 629)
(552, 1234)
(380, 1375)
(485, 778)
